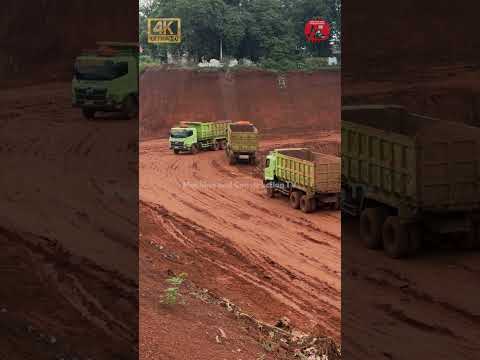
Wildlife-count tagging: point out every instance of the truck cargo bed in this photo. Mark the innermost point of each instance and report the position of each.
(314, 171)
(412, 160)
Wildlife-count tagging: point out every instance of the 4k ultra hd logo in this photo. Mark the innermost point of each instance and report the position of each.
(161, 30)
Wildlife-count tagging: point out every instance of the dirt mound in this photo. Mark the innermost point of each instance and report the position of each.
(56, 32)
(273, 102)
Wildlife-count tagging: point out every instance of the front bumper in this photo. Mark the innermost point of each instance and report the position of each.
(97, 105)
(179, 146)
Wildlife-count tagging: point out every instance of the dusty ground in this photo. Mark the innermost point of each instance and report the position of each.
(67, 229)
(421, 308)
(214, 222)
(424, 307)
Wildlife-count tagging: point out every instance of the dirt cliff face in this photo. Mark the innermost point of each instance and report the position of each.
(275, 103)
(381, 35)
(51, 34)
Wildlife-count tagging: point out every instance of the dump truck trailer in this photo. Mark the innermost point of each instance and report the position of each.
(194, 136)
(408, 176)
(310, 179)
(242, 142)
(106, 79)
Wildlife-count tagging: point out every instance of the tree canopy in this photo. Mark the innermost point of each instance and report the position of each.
(260, 30)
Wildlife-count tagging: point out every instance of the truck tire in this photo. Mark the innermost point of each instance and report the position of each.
(194, 149)
(222, 145)
(306, 204)
(270, 190)
(130, 108)
(313, 204)
(371, 224)
(471, 240)
(176, 151)
(88, 114)
(295, 199)
(216, 146)
(395, 237)
(414, 239)
(231, 159)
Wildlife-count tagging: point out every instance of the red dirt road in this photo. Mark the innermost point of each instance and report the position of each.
(425, 307)
(267, 258)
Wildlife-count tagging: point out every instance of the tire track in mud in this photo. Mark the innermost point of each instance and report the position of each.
(257, 275)
(268, 238)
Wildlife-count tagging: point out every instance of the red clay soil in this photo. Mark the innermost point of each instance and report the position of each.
(68, 234)
(419, 308)
(307, 101)
(271, 260)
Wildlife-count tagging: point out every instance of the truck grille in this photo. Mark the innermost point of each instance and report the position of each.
(83, 94)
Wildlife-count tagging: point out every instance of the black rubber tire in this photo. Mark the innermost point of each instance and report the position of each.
(270, 190)
(313, 204)
(295, 199)
(415, 235)
(176, 151)
(130, 108)
(471, 240)
(216, 146)
(305, 204)
(194, 149)
(395, 238)
(222, 145)
(88, 114)
(371, 224)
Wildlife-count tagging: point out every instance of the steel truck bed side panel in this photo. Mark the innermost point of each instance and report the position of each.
(420, 162)
(313, 171)
(243, 141)
(327, 173)
(449, 167)
(386, 162)
(209, 130)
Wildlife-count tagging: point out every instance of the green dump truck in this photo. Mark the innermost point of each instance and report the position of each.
(408, 176)
(106, 79)
(242, 142)
(310, 179)
(194, 136)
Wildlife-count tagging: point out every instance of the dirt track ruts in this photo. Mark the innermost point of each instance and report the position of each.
(292, 258)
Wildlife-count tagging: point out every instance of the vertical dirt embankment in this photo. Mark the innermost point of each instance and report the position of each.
(276, 103)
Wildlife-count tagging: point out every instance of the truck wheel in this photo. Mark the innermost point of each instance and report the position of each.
(176, 151)
(194, 149)
(471, 241)
(270, 190)
(88, 114)
(306, 204)
(216, 145)
(371, 223)
(231, 159)
(222, 144)
(313, 204)
(395, 237)
(130, 108)
(295, 199)
(414, 239)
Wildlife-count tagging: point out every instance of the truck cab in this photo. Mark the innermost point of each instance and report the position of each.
(182, 138)
(106, 79)
(269, 171)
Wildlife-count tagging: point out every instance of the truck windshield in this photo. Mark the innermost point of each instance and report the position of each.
(178, 134)
(100, 70)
